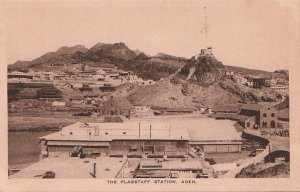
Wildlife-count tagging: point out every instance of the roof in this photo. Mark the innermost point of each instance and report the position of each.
(49, 89)
(118, 131)
(91, 94)
(236, 117)
(194, 130)
(144, 164)
(78, 143)
(284, 114)
(106, 167)
(188, 164)
(260, 76)
(152, 174)
(251, 106)
(211, 130)
(226, 108)
(83, 106)
(283, 105)
(180, 109)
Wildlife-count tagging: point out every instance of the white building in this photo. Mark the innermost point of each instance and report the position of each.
(58, 103)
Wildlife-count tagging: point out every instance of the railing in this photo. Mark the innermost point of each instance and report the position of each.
(120, 173)
(191, 152)
(258, 158)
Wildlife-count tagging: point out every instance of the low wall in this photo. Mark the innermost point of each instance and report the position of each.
(258, 158)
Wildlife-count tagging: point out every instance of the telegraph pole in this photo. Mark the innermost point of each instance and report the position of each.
(205, 27)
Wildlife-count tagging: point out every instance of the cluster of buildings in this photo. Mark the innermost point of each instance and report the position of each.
(254, 115)
(279, 85)
(79, 89)
(101, 76)
(146, 149)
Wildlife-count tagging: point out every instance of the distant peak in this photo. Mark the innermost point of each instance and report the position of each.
(120, 43)
(161, 54)
(142, 56)
(137, 51)
(98, 46)
(71, 50)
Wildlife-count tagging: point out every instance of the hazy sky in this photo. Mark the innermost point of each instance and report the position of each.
(247, 33)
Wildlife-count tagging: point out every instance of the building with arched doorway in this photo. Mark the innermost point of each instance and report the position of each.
(264, 115)
(268, 116)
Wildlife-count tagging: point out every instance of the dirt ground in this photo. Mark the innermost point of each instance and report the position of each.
(229, 157)
(38, 122)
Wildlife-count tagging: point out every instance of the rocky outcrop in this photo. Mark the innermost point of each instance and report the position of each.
(265, 171)
(204, 70)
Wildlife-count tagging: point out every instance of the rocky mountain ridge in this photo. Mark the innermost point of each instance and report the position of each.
(182, 82)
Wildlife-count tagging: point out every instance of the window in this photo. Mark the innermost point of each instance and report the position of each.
(264, 115)
(273, 115)
(133, 148)
(248, 124)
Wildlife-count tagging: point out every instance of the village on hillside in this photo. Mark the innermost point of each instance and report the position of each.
(159, 92)
(95, 120)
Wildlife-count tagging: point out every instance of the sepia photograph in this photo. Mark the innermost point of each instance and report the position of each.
(139, 92)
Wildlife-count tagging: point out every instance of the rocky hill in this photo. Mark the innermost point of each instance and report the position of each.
(200, 82)
(111, 52)
(204, 70)
(182, 82)
(147, 67)
(58, 58)
(153, 68)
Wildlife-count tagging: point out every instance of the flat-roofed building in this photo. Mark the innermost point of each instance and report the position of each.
(117, 139)
(64, 167)
(215, 136)
(144, 139)
(177, 168)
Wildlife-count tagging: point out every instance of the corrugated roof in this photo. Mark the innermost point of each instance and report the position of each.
(118, 131)
(77, 143)
(200, 129)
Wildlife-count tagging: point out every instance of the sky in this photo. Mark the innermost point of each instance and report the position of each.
(247, 33)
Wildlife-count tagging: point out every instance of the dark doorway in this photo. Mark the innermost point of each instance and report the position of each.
(273, 124)
(248, 124)
(264, 124)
